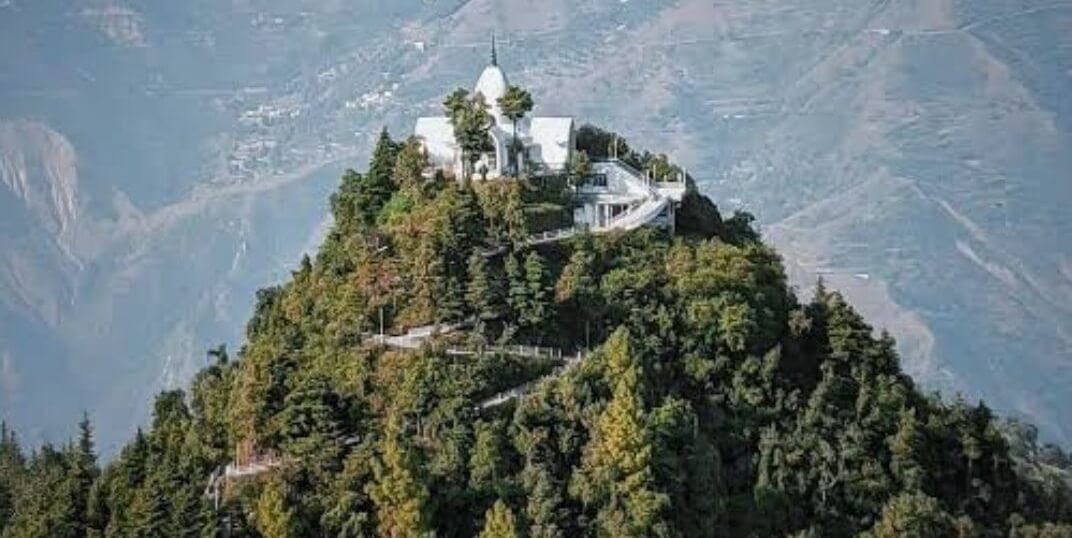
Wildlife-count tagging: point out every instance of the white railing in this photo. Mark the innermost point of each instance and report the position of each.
(525, 388)
(528, 352)
(551, 236)
(257, 465)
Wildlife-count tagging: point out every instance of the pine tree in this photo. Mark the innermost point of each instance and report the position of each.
(408, 174)
(577, 290)
(83, 472)
(11, 470)
(537, 299)
(45, 505)
(273, 516)
(484, 291)
(904, 452)
(344, 202)
(378, 184)
(487, 465)
(400, 497)
(913, 514)
(517, 293)
(499, 522)
(543, 510)
(617, 466)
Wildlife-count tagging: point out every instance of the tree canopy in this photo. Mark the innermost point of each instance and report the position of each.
(708, 400)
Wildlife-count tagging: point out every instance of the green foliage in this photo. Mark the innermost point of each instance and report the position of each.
(499, 522)
(710, 402)
(514, 104)
(484, 290)
(616, 475)
(401, 498)
(273, 513)
(580, 167)
(469, 116)
(913, 514)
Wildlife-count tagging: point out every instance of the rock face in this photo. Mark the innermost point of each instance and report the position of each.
(913, 153)
(38, 166)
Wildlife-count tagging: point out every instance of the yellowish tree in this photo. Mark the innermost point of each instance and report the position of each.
(400, 498)
(273, 517)
(499, 522)
(616, 472)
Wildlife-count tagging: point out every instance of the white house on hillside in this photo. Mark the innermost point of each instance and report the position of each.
(614, 196)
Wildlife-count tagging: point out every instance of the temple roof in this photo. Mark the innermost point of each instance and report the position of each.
(492, 85)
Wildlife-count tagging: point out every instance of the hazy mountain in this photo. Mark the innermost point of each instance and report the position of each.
(160, 162)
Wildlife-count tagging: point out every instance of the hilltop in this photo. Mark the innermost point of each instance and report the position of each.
(627, 383)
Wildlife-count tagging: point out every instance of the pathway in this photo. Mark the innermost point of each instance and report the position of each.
(524, 389)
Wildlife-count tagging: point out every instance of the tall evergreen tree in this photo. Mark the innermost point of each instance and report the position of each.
(378, 184)
(537, 304)
(913, 514)
(617, 473)
(514, 104)
(83, 472)
(275, 518)
(401, 498)
(499, 522)
(484, 290)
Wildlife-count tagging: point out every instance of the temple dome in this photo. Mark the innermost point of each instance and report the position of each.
(492, 85)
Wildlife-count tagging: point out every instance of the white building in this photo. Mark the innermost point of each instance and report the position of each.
(547, 141)
(614, 196)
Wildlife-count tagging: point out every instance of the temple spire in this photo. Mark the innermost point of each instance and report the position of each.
(494, 54)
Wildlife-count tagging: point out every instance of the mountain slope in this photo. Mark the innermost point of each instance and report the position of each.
(623, 383)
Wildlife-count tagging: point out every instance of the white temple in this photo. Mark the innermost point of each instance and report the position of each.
(547, 141)
(614, 196)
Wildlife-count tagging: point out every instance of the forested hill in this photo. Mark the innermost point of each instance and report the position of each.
(680, 388)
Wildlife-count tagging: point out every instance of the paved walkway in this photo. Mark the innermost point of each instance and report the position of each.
(415, 337)
(522, 390)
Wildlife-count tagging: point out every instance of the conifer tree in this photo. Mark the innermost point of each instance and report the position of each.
(617, 468)
(904, 451)
(499, 522)
(378, 184)
(577, 290)
(400, 497)
(11, 471)
(913, 514)
(275, 519)
(483, 292)
(408, 173)
(537, 296)
(543, 509)
(83, 472)
(487, 464)
(517, 290)
(344, 202)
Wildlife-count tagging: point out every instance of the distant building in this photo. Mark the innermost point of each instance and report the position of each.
(614, 196)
